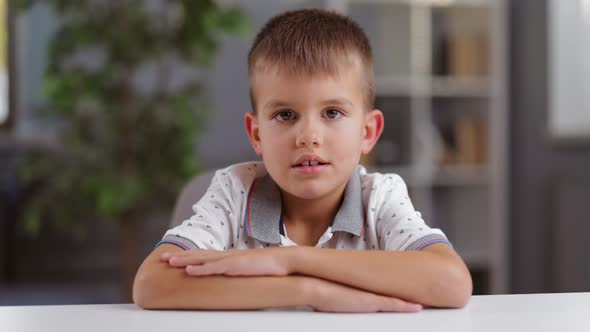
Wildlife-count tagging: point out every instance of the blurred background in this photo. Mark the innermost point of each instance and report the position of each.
(107, 107)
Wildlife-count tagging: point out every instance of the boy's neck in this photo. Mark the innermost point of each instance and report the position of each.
(311, 216)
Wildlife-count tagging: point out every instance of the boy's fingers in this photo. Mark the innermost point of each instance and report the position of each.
(399, 305)
(196, 259)
(189, 253)
(167, 255)
(205, 269)
(183, 261)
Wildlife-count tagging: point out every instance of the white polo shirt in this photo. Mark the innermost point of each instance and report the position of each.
(242, 209)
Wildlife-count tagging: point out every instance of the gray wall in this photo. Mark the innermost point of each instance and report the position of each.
(543, 172)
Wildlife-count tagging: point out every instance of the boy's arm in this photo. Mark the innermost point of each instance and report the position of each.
(435, 276)
(159, 286)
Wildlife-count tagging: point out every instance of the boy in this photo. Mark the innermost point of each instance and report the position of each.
(280, 233)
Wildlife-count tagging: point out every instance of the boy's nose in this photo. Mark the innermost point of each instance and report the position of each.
(308, 138)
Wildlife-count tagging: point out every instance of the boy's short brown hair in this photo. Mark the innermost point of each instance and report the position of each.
(312, 42)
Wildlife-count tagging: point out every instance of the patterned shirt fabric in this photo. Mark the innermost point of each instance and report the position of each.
(242, 210)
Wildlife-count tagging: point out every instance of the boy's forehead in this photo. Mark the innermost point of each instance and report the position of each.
(274, 83)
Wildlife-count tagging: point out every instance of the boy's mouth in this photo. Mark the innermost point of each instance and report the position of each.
(309, 164)
(309, 160)
(310, 167)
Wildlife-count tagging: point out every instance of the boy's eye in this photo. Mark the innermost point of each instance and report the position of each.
(284, 116)
(333, 113)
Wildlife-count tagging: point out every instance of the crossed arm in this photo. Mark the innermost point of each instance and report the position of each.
(325, 279)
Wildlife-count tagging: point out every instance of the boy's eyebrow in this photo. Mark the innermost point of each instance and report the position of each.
(340, 101)
(274, 103)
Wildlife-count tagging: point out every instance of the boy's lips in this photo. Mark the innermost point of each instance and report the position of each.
(311, 169)
(309, 159)
(310, 164)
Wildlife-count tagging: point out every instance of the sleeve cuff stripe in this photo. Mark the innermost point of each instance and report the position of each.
(178, 244)
(182, 240)
(426, 244)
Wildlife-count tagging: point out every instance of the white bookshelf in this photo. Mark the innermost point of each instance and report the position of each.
(466, 199)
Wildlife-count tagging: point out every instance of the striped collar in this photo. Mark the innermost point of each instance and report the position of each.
(263, 217)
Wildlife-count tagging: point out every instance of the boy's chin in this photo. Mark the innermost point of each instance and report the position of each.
(309, 192)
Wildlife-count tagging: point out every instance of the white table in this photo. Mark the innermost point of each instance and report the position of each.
(533, 312)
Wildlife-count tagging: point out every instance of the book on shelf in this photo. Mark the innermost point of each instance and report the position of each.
(468, 55)
(470, 132)
(464, 143)
(460, 43)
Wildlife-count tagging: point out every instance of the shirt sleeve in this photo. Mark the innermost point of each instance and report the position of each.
(210, 227)
(399, 227)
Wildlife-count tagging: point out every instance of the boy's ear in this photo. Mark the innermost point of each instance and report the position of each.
(372, 130)
(251, 123)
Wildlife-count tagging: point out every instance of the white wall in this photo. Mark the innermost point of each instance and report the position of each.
(569, 76)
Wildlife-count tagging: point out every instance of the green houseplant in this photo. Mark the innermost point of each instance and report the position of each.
(123, 149)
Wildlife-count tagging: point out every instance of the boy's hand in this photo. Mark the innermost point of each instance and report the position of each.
(327, 296)
(252, 262)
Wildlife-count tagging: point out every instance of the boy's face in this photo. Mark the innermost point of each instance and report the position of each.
(304, 118)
